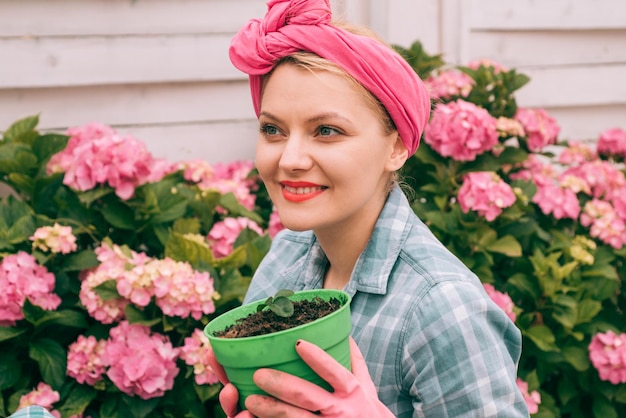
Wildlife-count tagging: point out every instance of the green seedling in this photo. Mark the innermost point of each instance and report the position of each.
(280, 303)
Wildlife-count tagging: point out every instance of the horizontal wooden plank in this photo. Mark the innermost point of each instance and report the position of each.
(541, 48)
(128, 104)
(52, 62)
(586, 123)
(124, 17)
(574, 86)
(550, 15)
(212, 142)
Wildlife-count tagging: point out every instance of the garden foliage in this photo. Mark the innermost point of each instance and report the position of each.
(113, 261)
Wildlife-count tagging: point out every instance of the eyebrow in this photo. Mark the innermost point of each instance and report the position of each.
(316, 118)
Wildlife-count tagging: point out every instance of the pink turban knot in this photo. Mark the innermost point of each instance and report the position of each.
(304, 25)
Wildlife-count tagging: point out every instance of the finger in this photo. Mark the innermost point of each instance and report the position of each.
(292, 389)
(359, 368)
(268, 407)
(229, 397)
(326, 367)
(217, 368)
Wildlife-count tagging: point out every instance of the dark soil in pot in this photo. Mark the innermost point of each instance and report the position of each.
(266, 321)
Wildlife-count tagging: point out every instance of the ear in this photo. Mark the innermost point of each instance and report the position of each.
(398, 155)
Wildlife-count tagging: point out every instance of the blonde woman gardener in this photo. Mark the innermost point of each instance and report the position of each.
(339, 113)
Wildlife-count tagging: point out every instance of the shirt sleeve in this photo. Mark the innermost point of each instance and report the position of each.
(33, 411)
(461, 353)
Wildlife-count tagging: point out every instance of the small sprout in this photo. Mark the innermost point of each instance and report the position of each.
(279, 303)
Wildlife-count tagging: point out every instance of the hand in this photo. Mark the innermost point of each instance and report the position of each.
(229, 396)
(354, 393)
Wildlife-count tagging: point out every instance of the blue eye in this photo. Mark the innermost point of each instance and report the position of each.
(269, 129)
(328, 131)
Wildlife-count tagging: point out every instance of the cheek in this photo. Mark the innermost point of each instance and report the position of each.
(266, 159)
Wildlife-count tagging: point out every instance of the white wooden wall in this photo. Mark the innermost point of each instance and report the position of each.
(159, 69)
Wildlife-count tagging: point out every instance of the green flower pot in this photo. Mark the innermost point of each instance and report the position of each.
(241, 357)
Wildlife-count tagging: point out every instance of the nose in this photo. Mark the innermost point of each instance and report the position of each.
(295, 154)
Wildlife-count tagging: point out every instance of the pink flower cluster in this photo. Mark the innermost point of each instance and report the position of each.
(532, 399)
(607, 352)
(449, 84)
(461, 130)
(21, 278)
(56, 239)
(233, 178)
(486, 62)
(541, 129)
(559, 201)
(84, 360)
(177, 289)
(486, 193)
(43, 396)
(503, 300)
(139, 362)
(612, 142)
(97, 155)
(223, 235)
(194, 353)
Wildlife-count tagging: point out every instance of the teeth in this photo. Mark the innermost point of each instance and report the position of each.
(303, 190)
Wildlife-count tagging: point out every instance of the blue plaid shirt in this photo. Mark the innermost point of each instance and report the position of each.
(436, 345)
(33, 411)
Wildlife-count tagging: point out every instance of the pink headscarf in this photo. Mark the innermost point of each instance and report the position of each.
(304, 25)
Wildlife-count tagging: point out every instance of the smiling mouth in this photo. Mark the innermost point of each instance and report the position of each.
(301, 194)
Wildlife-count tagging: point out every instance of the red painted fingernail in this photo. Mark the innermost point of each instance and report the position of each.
(298, 342)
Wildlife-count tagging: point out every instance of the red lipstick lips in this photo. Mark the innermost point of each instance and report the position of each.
(300, 191)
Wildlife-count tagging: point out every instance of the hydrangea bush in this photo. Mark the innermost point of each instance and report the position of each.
(113, 261)
(540, 219)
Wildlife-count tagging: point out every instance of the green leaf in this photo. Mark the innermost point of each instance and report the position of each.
(134, 315)
(119, 215)
(229, 202)
(140, 408)
(52, 360)
(66, 317)
(620, 395)
(542, 336)
(78, 399)
(8, 333)
(190, 248)
(21, 127)
(10, 370)
(577, 357)
(107, 290)
(506, 245)
(587, 310)
(602, 407)
(525, 284)
(45, 146)
(80, 261)
(281, 306)
(206, 392)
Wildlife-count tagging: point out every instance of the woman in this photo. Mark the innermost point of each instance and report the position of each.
(339, 114)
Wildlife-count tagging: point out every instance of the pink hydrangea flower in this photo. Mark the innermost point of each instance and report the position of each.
(84, 360)
(180, 290)
(486, 193)
(577, 153)
(607, 352)
(604, 222)
(43, 396)
(224, 233)
(194, 353)
(602, 177)
(541, 129)
(503, 300)
(97, 155)
(612, 142)
(56, 239)
(140, 363)
(275, 224)
(449, 84)
(541, 173)
(486, 62)
(509, 128)
(21, 278)
(197, 171)
(532, 399)
(560, 202)
(461, 130)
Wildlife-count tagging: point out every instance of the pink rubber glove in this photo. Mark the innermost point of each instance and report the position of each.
(354, 393)
(229, 396)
